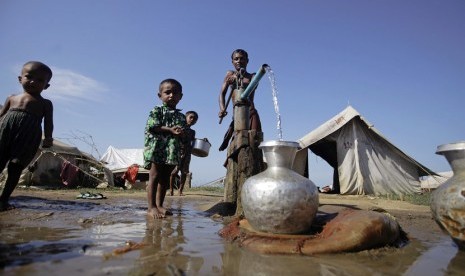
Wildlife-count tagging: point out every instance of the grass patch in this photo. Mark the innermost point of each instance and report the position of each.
(417, 199)
(216, 190)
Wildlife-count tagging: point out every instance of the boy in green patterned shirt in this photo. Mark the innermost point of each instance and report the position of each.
(162, 147)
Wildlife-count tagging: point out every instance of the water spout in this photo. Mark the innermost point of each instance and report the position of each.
(254, 82)
(274, 92)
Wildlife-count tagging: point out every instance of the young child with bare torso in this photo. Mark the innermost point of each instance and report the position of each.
(188, 140)
(232, 81)
(20, 125)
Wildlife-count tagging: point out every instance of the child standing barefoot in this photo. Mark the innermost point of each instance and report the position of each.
(162, 149)
(20, 125)
(188, 140)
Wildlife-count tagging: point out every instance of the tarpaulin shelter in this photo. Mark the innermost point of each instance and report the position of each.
(364, 161)
(60, 165)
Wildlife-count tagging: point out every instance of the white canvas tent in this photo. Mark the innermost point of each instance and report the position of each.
(118, 160)
(364, 161)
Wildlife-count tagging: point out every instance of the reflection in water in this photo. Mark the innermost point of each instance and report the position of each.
(36, 244)
(385, 261)
(170, 243)
(457, 264)
(257, 264)
(113, 236)
(18, 255)
(437, 259)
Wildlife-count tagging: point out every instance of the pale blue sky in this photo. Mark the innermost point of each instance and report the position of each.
(401, 64)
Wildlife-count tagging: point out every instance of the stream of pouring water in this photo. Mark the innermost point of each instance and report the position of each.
(274, 91)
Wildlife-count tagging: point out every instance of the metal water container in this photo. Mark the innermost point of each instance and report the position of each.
(279, 200)
(448, 201)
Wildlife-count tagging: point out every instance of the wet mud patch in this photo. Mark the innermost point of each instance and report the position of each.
(72, 213)
(75, 205)
(53, 233)
(20, 254)
(43, 204)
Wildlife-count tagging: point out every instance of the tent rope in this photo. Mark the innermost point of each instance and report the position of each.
(219, 181)
(63, 158)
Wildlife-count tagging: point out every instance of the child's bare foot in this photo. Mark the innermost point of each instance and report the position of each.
(5, 206)
(165, 211)
(155, 213)
(180, 194)
(171, 193)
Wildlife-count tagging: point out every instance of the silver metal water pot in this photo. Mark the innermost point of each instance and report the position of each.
(279, 200)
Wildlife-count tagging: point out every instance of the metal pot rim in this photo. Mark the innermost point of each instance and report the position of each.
(274, 143)
(460, 145)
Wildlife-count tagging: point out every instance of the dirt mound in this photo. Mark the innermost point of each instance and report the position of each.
(347, 231)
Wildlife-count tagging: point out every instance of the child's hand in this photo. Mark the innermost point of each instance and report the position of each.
(222, 113)
(231, 79)
(47, 142)
(177, 130)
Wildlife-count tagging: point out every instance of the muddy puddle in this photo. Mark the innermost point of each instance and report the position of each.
(72, 237)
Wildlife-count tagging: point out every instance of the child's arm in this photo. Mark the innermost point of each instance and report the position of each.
(48, 124)
(154, 124)
(191, 141)
(5, 107)
(229, 79)
(193, 137)
(176, 130)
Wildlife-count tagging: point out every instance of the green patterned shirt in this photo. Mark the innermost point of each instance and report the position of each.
(162, 147)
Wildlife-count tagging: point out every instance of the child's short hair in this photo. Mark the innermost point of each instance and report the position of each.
(172, 81)
(240, 51)
(193, 113)
(42, 66)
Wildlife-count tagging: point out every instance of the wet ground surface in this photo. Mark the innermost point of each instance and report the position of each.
(60, 235)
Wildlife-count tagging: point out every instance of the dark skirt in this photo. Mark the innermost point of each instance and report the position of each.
(20, 136)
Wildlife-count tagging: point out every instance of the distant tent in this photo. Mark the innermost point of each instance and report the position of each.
(60, 165)
(433, 182)
(364, 162)
(122, 163)
(119, 159)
